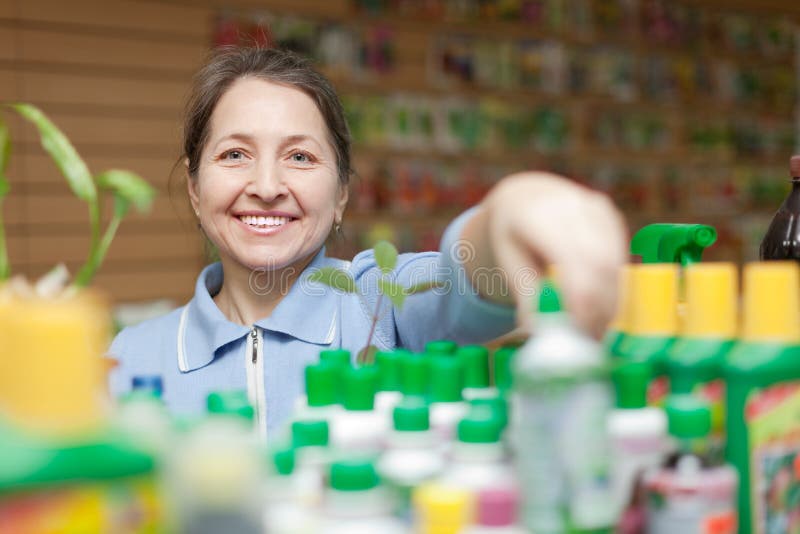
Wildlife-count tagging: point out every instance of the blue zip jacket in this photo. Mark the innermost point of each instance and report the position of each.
(196, 349)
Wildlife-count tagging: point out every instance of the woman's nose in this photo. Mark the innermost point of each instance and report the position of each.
(267, 183)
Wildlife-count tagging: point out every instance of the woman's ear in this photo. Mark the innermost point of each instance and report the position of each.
(192, 189)
(341, 201)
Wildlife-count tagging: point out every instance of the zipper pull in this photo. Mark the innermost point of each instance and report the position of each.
(254, 336)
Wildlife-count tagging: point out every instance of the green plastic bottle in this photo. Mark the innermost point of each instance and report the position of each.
(441, 346)
(502, 365)
(475, 360)
(762, 374)
(415, 374)
(653, 322)
(708, 331)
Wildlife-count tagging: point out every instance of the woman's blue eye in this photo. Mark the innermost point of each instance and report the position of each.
(233, 154)
(299, 157)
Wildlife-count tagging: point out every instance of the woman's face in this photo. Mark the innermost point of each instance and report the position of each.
(267, 191)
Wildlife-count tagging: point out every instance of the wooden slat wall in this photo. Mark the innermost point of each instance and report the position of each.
(113, 75)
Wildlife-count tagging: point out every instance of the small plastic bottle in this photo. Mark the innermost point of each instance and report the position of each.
(142, 417)
(356, 503)
(478, 459)
(496, 513)
(359, 427)
(341, 359)
(562, 397)
(415, 374)
(690, 494)
(284, 513)
(447, 404)
(441, 509)
(502, 365)
(389, 380)
(312, 457)
(441, 346)
(411, 457)
(214, 475)
(475, 359)
(638, 432)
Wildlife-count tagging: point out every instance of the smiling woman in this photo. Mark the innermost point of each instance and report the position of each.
(267, 157)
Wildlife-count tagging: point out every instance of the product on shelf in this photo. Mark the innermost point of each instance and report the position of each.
(782, 240)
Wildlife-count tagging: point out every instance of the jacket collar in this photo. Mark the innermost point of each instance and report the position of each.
(308, 312)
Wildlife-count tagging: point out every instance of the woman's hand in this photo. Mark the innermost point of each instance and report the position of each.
(533, 220)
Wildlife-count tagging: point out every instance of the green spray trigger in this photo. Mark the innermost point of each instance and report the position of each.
(673, 243)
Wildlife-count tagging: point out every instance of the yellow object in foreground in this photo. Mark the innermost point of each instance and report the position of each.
(771, 312)
(711, 301)
(52, 371)
(653, 299)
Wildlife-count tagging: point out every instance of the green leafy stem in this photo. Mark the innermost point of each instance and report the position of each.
(128, 189)
(386, 258)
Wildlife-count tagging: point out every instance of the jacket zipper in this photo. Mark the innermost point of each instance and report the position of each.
(255, 383)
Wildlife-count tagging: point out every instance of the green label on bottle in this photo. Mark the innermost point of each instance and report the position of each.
(772, 415)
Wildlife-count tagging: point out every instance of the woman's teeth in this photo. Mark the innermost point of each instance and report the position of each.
(264, 222)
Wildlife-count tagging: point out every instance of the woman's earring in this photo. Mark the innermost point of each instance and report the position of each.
(338, 227)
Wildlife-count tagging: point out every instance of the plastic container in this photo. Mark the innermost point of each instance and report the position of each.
(283, 510)
(637, 432)
(320, 400)
(447, 405)
(441, 346)
(312, 459)
(561, 402)
(691, 494)
(762, 375)
(213, 475)
(496, 512)
(694, 362)
(442, 509)
(475, 361)
(390, 382)
(341, 359)
(653, 322)
(415, 375)
(356, 503)
(359, 427)
(142, 417)
(782, 240)
(412, 454)
(478, 459)
(502, 365)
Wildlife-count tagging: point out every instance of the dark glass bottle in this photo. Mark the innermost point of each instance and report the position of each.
(782, 240)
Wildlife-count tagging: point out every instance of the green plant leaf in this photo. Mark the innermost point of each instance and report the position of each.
(385, 256)
(366, 356)
(63, 153)
(395, 292)
(335, 278)
(128, 186)
(5, 154)
(422, 287)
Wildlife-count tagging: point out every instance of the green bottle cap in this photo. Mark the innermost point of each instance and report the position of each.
(389, 376)
(503, 358)
(283, 460)
(447, 378)
(415, 374)
(321, 384)
(353, 476)
(441, 346)
(494, 406)
(630, 383)
(411, 416)
(688, 417)
(336, 357)
(360, 385)
(479, 428)
(230, 403)
(549, 300)
(309, 433)
(475, 359)
(141, 395)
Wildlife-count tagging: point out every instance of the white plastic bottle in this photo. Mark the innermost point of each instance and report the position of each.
(475, 361)
(412, 457)
(283, 511)
(389, 392)
(356, 503)
(143, 418)
(320, 400)
(214, 475)
(637, 432)
(312, 459)
(478, 459)
(447, 404)
(561, 401)
(359, 428)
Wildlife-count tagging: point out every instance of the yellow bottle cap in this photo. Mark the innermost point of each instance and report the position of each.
(621, 322)
(771, 307)
(653, 299)
(711, 300)
(442, 509)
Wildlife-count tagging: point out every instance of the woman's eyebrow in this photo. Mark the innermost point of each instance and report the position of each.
(237, 136)
(297, 138)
